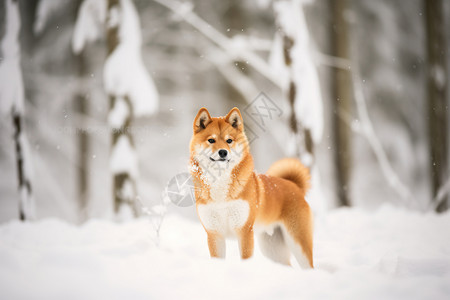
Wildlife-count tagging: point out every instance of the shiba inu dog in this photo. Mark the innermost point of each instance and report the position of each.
(234, 201)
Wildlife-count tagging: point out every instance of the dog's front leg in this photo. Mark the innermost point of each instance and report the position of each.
(246, 242)
(217, 246)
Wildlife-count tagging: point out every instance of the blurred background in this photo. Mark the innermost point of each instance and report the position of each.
(360, 87)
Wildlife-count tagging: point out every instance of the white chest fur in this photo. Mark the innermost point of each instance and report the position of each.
(224, 217)
(218, 187)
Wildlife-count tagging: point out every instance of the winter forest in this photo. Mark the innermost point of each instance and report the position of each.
(97, 104)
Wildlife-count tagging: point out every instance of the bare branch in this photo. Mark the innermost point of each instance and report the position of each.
(366, 128)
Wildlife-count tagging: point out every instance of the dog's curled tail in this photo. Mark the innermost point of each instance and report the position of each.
(293, 170)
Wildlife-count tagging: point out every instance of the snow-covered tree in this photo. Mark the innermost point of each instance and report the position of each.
(130, 89)
(292, 58)
(12, 100)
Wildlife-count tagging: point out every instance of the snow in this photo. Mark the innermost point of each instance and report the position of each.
(302, 72)
(315, 196)
(387, 254)
(114, 17)
(11, 84)
(45, 10)
(438, 75)
(124, 72)
(125, 211)
(118, 114)
(123, 158)
(89, 24)
(308, 100)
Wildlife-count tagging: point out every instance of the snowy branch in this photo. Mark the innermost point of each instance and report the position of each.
(293, 60)
(232, 47)
(235, 78)
(89, 24)
(124, 72)
(44, 11)
(156, 213)
(11, 81)
(332, 61)
(367, 128)
(243, 85)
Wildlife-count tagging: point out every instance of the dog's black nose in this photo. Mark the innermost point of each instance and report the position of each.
(223, 153)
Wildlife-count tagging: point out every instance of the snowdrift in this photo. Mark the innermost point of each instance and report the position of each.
(387, 254)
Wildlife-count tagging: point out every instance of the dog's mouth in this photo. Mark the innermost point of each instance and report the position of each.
(220, 159)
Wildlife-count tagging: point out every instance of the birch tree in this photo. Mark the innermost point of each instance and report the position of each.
(12, 101)
(437, 102)
(130, 89)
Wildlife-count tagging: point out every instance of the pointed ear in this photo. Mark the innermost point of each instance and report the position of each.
(202, 119)
(234, 118)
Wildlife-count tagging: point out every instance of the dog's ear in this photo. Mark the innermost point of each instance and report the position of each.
(202, 119)
(234, 118)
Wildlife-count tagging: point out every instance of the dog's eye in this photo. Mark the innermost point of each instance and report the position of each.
(211, 141)
(229, 141)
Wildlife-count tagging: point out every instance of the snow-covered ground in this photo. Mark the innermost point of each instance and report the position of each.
(387, 254)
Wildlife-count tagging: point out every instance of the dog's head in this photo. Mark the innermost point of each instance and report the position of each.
(218, 142)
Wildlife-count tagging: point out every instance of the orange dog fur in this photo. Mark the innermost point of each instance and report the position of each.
(234, 201)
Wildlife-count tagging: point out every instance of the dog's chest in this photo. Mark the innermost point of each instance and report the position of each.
(219, 188)
(224, 217)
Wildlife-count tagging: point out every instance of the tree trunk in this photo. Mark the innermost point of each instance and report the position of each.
(27, 36)
(341, 102)
(124, 183)
(26, 202)
(437, 98)
(15, 105)
(233, 21)
(82, 108)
